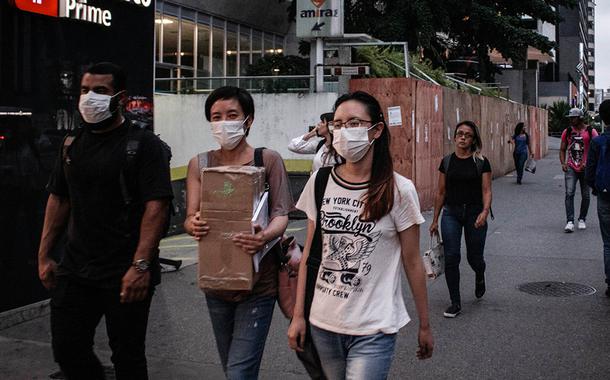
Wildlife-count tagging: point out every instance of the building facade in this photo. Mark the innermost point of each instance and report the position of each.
(215, 41)
(572, 77)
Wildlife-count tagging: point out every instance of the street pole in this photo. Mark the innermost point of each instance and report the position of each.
(319, 62)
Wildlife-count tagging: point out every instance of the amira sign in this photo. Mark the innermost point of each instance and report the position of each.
(319, 18)
(75, 9)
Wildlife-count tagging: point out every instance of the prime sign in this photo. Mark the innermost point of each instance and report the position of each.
(319, 18)
(75, 9)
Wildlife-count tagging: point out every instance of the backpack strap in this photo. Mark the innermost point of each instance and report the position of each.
(446, 162)
(67, 145)
(590, 130)
(134, 138)
(315, 252)
(258, 157)
(320, 145)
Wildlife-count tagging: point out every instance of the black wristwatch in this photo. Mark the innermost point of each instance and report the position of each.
(142, 265)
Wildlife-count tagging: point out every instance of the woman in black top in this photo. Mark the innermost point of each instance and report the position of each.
(464, 194)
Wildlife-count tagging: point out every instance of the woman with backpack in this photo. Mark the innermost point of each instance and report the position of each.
(464, 197)
(240, 319)
(363, 224)
(318, 141)
(522, 147)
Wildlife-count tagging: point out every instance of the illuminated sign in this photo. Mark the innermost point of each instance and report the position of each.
(43, 7)
(75, 9)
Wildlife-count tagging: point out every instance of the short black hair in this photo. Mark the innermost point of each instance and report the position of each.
(327, 116)
(604, 111)
(242, 96)
(119, 78)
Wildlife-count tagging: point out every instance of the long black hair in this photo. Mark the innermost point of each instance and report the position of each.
(380, 194)
(519, 128)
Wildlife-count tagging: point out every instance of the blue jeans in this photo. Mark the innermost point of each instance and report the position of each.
(571, 177)
(520, 159)
(366, 357)
(241, 329)
(603, 212)
(456, 218)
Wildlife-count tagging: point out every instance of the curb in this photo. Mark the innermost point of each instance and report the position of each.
(23, 314)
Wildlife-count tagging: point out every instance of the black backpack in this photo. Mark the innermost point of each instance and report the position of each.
(589, 130)
(128, 171)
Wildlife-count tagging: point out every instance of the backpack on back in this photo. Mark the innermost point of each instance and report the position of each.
(128, 172)
(602, 171)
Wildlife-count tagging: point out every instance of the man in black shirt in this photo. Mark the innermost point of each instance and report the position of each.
(110, 265)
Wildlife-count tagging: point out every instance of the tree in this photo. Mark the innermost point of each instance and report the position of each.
(465, 27)
(557, 117)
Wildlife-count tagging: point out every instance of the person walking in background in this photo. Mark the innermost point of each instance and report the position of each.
(575, 141)
(110, 266)
(240, 319)
(522, 147)
(318, 141)
(597, 174)
(369, 219)
(464, 197)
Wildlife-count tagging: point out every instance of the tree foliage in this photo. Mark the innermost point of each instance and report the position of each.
(557, 117)
(463, 27)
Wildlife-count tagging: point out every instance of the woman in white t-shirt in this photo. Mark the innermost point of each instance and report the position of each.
(369, 222)
(318, 141)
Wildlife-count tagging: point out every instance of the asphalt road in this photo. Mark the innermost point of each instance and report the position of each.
(508, 334)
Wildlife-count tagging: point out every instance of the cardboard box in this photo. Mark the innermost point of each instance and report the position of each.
(229, 198)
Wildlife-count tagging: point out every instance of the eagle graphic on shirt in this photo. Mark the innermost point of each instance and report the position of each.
(346, 258)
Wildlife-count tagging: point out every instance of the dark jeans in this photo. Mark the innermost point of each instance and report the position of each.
(571, 177)
(241, 329)
(456, 218)
(520, 159)
(603, 212)
(76, 310)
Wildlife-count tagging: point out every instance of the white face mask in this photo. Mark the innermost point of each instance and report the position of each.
(228, 133)
(94, 107)
(352, 143)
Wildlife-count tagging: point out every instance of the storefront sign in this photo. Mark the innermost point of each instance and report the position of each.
(82, 10)
(319, 18)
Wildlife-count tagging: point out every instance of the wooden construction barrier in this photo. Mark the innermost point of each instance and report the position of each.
(428, 117)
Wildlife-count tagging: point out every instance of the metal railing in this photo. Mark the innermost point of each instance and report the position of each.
(255, 84)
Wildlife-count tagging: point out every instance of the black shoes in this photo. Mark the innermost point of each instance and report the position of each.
(452, 311)
(479, 286)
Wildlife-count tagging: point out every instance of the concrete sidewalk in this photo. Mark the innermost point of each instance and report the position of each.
(508, 334)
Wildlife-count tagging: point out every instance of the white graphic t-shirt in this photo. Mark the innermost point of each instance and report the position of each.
(358, 289)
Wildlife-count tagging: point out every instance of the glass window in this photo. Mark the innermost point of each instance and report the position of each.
(257, 45)
(170, 39)
(231, 53)
(269, 44)
(187, 43)
(279, 44)
(203, 50)
(158, 22)
(244, 50)
(218, 36)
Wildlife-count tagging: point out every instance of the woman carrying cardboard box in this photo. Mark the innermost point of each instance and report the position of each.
(240, 319)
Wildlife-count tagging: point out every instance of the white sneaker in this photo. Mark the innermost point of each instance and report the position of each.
(569, 227)
(582, 225)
